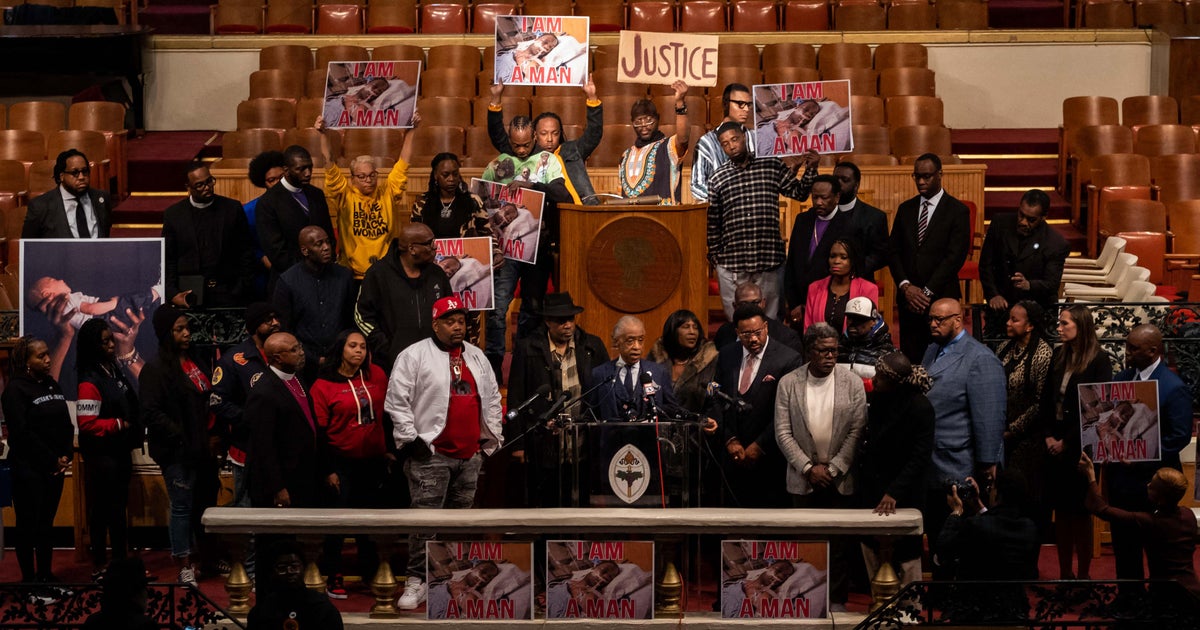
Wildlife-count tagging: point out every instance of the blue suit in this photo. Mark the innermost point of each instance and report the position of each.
(969, 399)
(1127, 482)
(611, 399)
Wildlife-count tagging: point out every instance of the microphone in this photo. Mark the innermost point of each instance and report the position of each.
(516, 411)
(649, 389)
(558, 405)
(714, 390)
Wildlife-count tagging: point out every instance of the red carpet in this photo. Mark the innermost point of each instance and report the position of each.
(157, 160)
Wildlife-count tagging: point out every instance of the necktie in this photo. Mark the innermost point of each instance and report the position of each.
(747, 374)
(81, 224)
(301, 199)
(923, 221)
(629, 379)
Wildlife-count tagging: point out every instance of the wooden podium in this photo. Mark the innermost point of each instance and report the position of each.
(647, 261)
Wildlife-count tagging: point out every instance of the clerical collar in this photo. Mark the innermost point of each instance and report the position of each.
(288, 185)
(847, 207)
(284, 376)
(199, 206)
(828, 217)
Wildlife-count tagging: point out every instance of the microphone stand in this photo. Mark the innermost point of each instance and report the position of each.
(544, 418)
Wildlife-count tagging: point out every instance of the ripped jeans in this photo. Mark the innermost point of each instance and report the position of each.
(180, 480)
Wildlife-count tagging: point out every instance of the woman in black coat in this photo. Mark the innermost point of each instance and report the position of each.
(175, 391)
(41, 444)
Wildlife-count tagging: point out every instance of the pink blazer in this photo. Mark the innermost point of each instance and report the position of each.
(814, 308)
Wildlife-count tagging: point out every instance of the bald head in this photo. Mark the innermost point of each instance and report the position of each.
(945, 320)
(416, 244)
(747, 292)
(315, 246)
(284, 352)
(1167, 487)
(1143, 346)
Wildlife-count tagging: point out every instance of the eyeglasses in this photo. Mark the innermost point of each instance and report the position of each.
(79, 172)
(207, 183)
(749, 334)
(825, 352)
(939, 320)
(366, 177)
(746, 303)
(428, 243)
(921, 177)
(742, 104)
(644, 121)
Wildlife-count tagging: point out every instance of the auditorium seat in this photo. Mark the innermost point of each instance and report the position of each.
(868, 110)
(903, 111)
(906, 82)
(546, 7)
(652, 15)
(962, 15)
(339, 19)
(901, 55)
(871, 139)
(607, 85)
(843, 55)
(381, 143)
(605, 56)
(617, 108)
(289, 16)
(399, 52)
(696, 105)
(1078, 112)
(1176, 177)
(1153, 140)
(487, 78)
(483, 15)
(1190, 110)
(44, 117)
(1114, 176)
(1105, 14)
(510, 107)
(1155, 109)
(455, 56)
(749, 76)
(23, 145)
(908, 15)
(792, 74)
(41, 179)
(806, 15)
(293, 57)
(340, 52)
(307, 111)
(289, 84)
(236, 18)
(716, 109)
(107, 118)
(443, 18)
(14, 179)
(863, 81)
(868, 159)
(479, 149)
(315, 82)
(1183, 217)
(914, 140)
(1131, 215)
(571, 109)
(694, 133)
(617, 138)
(558, 90)
(392, 17)
(453, 111)
(1151, 249)
(92, 144)
(433, 139)
(309, 138)
(450, 82)
(796, 54)
(248, 143)
(1090, 142)
(274, 113)
(855, 15)
(739, 54)
(753, 16)
(703, 16)
(605, 15)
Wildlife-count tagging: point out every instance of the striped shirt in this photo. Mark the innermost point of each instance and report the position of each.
(743, 212)
(709, 157)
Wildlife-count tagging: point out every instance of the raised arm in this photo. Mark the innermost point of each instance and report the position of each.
(682, 129)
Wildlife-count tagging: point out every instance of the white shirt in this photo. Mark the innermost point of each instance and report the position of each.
(624, 368)
(1144, 375)
(69, 202)
(933, 204)
(283, 376)
(288, 185)
(818, 402)
(757, 363)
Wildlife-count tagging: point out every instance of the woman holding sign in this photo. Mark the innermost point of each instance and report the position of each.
(1078, 360)
(653, 165)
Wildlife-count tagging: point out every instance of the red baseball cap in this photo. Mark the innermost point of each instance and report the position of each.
(448, 306)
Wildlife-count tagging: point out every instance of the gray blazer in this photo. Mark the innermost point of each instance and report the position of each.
(795, 440)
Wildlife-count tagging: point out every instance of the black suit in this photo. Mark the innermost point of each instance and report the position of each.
(867, 225)
(1039, 257)
(932, 265)
(762, 484)
(279, 219)
(776, 330)
(801, 270)
(213, 242)
(47, 216)
(285, 450)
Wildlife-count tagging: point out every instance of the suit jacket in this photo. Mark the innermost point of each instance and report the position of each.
(970, 398)
(776, 331)
(935, 264)
(47, 216)
(1174, 411)
(800, 269)
(284, 447)
(795, 439)
(868, 226)
(228, 263)
(279, 219)
(757, 425)
(612, 399)
(533, 367)
(1039, 258)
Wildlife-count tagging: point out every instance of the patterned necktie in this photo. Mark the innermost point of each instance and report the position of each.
(81, 224)
(747, 374)
(922, 221)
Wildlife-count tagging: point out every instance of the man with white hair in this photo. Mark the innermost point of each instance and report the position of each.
(631, 382)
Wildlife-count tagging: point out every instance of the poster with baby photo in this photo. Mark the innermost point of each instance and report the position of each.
(65, 283)
(1118, 421)
(479, 580)
(774, 579)
(468, 262)
(541, 50)
(792, 118)
(515, 215)
(599, 579)
(370, 93)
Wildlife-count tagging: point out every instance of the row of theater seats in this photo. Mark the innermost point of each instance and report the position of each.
(382, 17)
(1136, 13)
(33, 132)
(120, 7)
(1165, 238)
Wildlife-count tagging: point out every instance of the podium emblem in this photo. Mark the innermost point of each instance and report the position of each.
(629, 473)
(634, 264)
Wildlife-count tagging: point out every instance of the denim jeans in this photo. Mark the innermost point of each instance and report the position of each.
(435, 482)
(241, 498)
(180, 480)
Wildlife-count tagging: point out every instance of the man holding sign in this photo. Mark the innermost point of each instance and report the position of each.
(653, 165)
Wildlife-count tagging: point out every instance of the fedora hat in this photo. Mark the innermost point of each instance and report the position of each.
(559, 305)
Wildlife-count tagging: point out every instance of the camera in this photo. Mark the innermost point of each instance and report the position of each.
(966, 491)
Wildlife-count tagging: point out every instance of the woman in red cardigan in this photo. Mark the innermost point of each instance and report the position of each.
(827, 297)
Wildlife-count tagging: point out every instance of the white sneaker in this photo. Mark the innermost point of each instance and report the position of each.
(187, 575)
(414, 594)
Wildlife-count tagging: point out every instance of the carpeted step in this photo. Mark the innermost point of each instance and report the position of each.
(1024, 173)
(1043, 14)
(144, 209)
(176, 19)
(1004, 141)
(157, 160)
